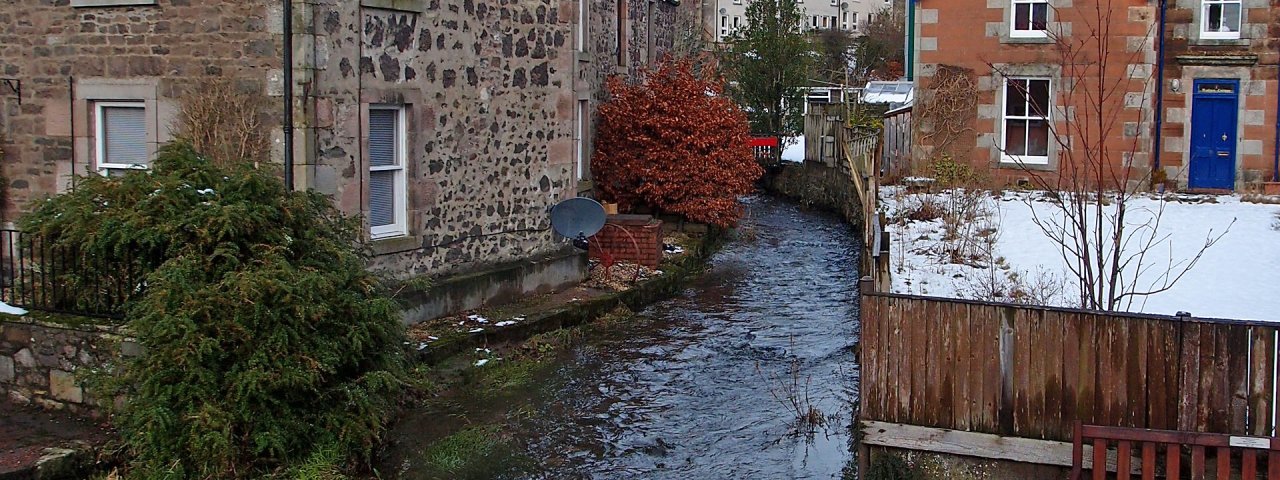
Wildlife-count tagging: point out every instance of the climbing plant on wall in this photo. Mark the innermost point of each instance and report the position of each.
(675, 144)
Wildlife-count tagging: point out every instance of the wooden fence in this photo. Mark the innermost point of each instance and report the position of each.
(1034, 372)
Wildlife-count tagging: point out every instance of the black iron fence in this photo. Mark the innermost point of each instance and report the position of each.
(35, 274)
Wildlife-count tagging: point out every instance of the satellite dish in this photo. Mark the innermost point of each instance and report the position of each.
(577, 218)
(723, 11)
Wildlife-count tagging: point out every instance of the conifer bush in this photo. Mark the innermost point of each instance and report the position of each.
(675, 143)
(267, 343)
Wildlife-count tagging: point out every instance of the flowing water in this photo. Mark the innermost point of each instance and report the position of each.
(711, 384)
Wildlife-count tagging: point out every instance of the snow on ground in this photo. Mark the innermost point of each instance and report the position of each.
(793, 150)
(11, 310)
(1235, 278)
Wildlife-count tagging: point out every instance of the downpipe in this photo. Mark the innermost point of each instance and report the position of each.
(288, 94)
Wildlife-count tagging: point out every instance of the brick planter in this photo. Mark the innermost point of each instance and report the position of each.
(614, 239)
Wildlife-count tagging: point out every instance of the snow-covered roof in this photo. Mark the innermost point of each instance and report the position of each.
(893, 93)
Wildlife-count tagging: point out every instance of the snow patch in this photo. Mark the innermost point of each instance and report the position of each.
(1235, 278)
(794, 151)
(11, 310)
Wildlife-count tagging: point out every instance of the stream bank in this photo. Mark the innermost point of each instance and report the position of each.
(749, 372)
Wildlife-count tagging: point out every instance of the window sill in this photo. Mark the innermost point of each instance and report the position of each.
(1219, 42)
(387, 245)
(1012, 164)
(1026, 40)
(112, 3)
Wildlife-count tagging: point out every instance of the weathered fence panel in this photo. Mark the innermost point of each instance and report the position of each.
(1034, 372)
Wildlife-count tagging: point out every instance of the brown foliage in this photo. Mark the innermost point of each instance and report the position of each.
(675, 143)
(224, 122)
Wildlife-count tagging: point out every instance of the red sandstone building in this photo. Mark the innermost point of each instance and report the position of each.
(1039, 89)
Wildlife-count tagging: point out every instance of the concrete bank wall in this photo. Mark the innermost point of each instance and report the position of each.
(818, 186)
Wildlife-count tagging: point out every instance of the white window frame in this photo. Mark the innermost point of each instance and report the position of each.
(581, 117)
(724, 27)
(1014, 32)
(1036, 160)
(583, 25)
(1218, 35)
(100, 137)
(400, 227)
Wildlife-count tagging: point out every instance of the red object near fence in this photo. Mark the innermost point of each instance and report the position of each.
(764, 147)
(1140, 447)
(629, 238)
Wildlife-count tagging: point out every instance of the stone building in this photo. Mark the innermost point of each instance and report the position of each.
(848, 15)
(1036, 64)
(449, 126)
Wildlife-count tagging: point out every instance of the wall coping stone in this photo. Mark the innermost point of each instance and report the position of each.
(416, 6)
(111, 3)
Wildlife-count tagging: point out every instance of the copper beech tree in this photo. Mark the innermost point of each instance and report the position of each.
(673, 143)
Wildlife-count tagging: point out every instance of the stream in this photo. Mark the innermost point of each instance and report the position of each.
(714, 382)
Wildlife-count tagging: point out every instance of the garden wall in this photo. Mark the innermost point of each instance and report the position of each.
(41, 359)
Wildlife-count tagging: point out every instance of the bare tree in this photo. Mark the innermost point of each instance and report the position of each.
(224, 121)
(1108, 245)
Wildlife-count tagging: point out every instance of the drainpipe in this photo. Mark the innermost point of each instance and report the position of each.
(910, 53)
(1158, 143)
(1275, 165)
(71, 114)
(288, 95)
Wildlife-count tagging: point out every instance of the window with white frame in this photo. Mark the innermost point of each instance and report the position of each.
(724, 27)
(1029, 18)
(581, 146)
(1026, 121)
(854, 24)
(1220, 19)
(737, 23)
(120, 136)
(387, 152)
(583, 25)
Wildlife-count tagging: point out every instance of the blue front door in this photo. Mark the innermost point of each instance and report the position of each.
(1214, 106)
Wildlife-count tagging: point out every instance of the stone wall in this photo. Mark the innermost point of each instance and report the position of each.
(490, 89)
(68, 57)
(819, 186)
(42, 362)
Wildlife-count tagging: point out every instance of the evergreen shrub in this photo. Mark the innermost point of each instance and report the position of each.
(267, 343)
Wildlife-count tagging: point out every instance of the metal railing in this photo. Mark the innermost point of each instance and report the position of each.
(35, 274)
(764, 148)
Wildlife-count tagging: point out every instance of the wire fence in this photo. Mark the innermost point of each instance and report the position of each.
(36, 274)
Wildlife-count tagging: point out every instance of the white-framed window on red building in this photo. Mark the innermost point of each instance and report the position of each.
(1029, 18)
(1220, 19)
(1025, 122)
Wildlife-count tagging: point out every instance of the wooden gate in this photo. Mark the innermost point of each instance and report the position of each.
(1232, 456)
